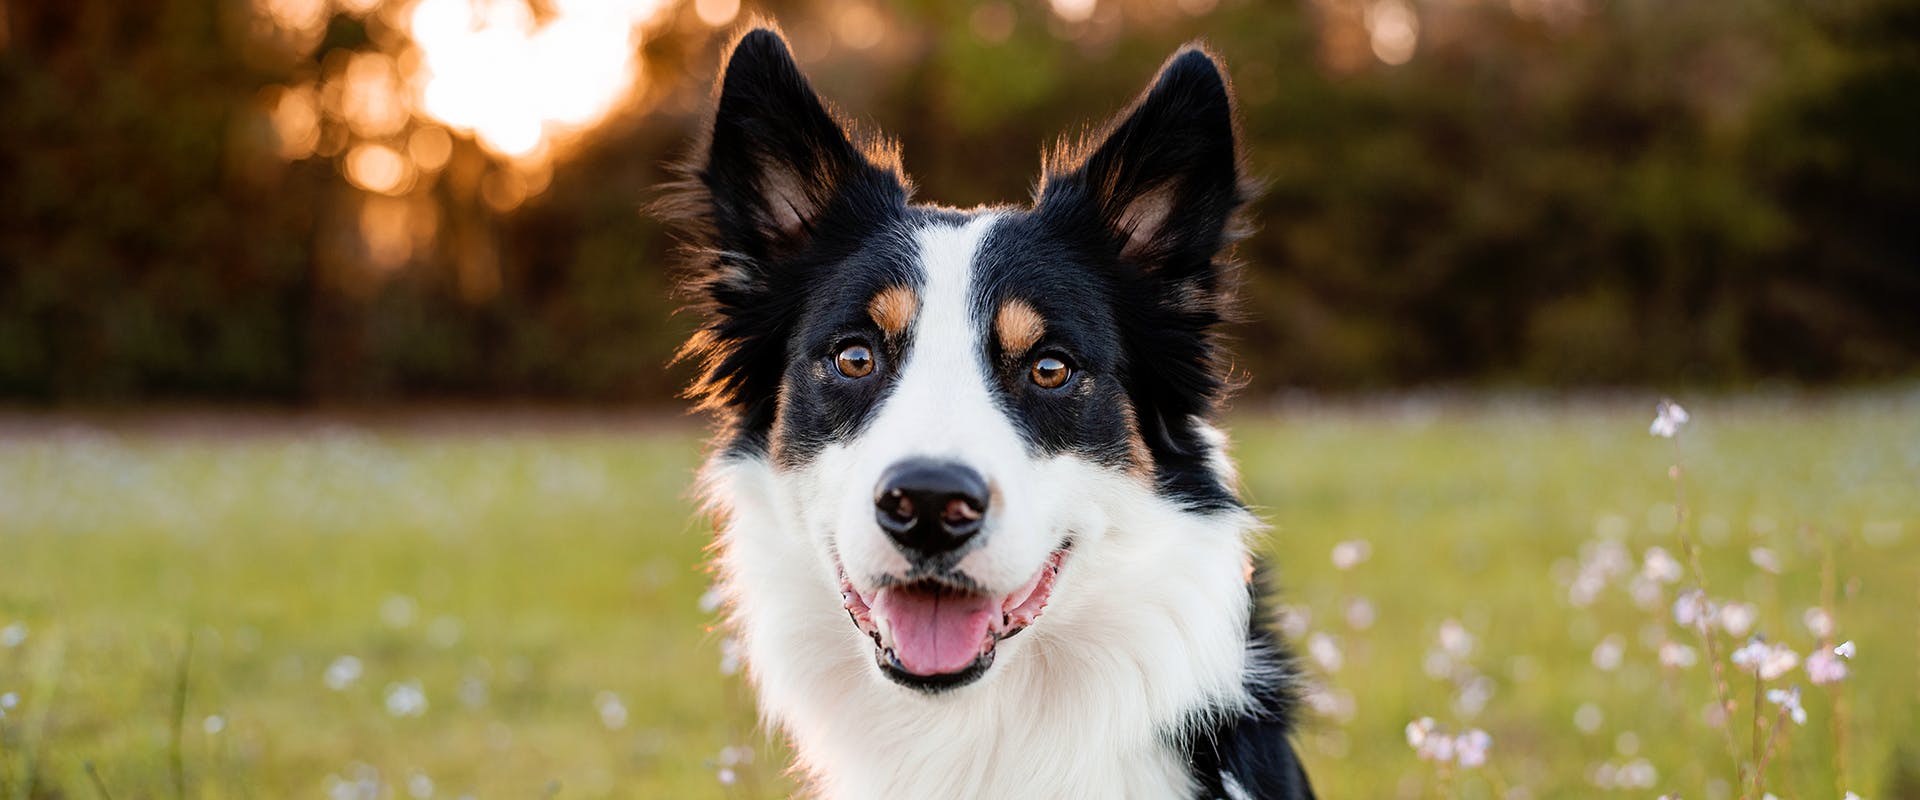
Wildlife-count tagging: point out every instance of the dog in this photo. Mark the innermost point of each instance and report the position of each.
(976, 535)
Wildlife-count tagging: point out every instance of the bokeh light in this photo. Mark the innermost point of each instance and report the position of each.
(1394, 30)
(492, 69)
(378, 168)
(1074, 10)
(716, 12)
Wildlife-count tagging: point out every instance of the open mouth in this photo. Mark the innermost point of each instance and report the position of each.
(933, 634)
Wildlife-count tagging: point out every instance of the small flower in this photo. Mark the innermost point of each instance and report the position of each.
(1474, 696)
(1851, 796)
(1823, 667)
(398, 610)
(1455, 639)
(10, 700)
(730, 655)
(419, 786)
(1789, 701)
(1437, 748)
(1349, 554)
(1765, 559)
(734, 756)
(1360, 614)
(1677, 655)
(342, 673)
(13, 635)
(1418, 731)
(213, 724)
(1692, 609)
(1470, 748)
(1738, 618)
(1668, 418)
(1293, 621)
(710, 600)
(1588, 718)
(1818, 622)
(1661, 566)
(1325, 652)
(613, 713)
(1845, 650)
(1765, 660)
(1334, 704)
(406, 699)
(1608, 654)
(726, 776)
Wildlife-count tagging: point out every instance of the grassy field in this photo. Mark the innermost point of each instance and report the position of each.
(512, 606)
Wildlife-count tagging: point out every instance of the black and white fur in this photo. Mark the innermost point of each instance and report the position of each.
(1151, 673)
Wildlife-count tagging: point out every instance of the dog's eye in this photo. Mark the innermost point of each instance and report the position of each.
(855, 361)
(1050, 372)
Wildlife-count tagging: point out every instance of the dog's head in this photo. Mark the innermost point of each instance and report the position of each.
(957, 402)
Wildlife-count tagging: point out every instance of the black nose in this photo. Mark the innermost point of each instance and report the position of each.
(930, 507)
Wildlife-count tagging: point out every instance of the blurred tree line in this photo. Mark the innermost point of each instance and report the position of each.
(1560, 192)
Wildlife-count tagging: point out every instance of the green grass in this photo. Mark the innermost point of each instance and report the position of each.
(545, 564)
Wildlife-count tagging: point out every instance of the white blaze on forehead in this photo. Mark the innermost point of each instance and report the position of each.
(942, 407)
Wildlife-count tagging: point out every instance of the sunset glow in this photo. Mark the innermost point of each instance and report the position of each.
(490, 68)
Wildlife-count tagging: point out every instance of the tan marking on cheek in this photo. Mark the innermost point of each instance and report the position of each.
(1018, 326)
(893, 309)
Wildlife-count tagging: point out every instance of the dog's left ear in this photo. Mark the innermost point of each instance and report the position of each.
(1163, 182)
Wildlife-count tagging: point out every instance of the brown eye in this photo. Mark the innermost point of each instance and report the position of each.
(1050, 372)
(856, 361)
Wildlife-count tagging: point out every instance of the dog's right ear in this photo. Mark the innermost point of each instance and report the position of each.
(777, 161)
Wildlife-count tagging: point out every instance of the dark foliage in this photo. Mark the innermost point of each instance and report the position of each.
(1712, 193)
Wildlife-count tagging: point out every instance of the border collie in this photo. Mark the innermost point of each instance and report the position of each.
(976, 534)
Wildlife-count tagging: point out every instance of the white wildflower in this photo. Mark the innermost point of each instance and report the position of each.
(419, 786)
(1293, 621)
(1769, 661)
(1349, 554)
(1789, 701)
(1737, 618)
(1325, 652)
(1692, 609)
(1418, 731)
(406, 699)
(1661, 565)
(1455, 639)
(1361, 614)
(1470, 748)
(1765, 559)
(1668, 418)
(613, 713)
(1609, 653)
(1677, 655)
(1818, 621)
(398, 610)
(1845, 650)
(1823, 667)
(13, 635)
(342, 673)
(1588, 718)
(213, 724)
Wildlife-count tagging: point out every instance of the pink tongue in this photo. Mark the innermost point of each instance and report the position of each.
(935, 633)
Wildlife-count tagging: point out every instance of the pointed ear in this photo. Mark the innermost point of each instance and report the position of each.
(1163, 181)
(777, 160)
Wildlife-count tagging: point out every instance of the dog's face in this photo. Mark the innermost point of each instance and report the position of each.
(954, 402)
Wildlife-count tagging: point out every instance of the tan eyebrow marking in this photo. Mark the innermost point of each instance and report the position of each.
(1019, 326)
(893, 309)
